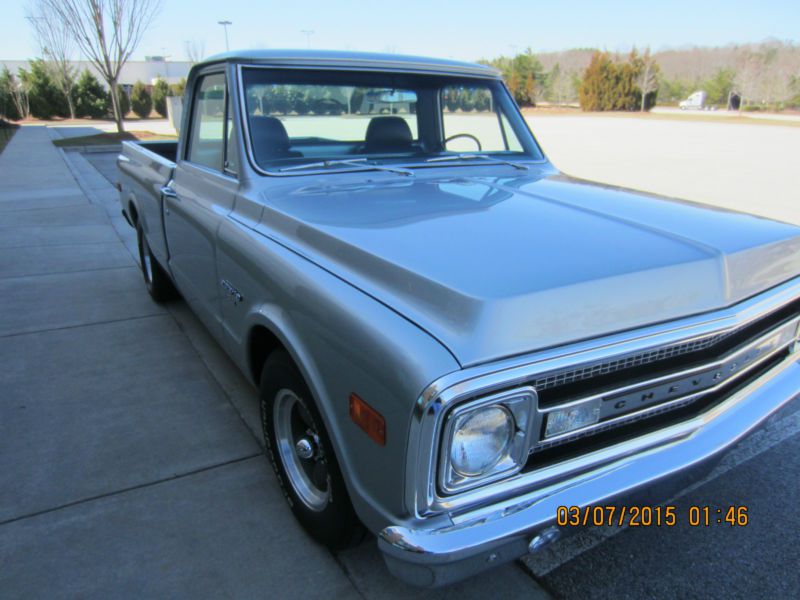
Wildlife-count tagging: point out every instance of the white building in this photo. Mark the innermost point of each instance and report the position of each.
(146, 71)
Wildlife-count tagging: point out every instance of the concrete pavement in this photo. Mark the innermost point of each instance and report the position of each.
(130, 453)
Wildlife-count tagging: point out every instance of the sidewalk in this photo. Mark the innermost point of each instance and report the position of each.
(124, 470)
(130, 457)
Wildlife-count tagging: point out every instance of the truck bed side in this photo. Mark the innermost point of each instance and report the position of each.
(144, 168)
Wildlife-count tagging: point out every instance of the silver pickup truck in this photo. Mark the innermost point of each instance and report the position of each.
(451, 339)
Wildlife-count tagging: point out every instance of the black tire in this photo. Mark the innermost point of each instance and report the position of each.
(158, 283)
(333, 521)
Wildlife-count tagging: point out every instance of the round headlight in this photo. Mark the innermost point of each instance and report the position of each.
(480, 439)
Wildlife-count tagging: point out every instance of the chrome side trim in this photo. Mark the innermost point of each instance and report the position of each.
(425, 430)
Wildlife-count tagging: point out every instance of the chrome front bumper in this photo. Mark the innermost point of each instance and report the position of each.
(489, 536)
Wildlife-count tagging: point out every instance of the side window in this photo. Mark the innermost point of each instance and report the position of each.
(206, 140)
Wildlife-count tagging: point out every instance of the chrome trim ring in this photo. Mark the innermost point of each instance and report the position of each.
(300, 451)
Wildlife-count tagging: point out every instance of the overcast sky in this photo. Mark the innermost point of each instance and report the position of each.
(461, 29)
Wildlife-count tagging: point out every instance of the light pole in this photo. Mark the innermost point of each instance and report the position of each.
(225, 26)
(308, 33)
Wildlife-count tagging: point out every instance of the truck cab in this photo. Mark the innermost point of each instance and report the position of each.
(695, 101)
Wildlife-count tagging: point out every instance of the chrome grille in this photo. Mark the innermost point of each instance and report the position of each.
(666, 387)
(587, 371)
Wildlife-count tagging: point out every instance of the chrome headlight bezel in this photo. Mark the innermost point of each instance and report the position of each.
(520, 403)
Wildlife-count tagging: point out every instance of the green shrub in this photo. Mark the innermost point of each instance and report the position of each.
(302, 105)
(451, 99)
(91, 98)
(466, 101)
(160, 93)
(141, 101)
(276, 100)
(483, 100)
(46, 100)
(177, 89)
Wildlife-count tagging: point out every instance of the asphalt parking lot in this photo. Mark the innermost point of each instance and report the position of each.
(130, 456)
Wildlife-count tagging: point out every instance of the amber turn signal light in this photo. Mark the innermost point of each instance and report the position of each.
(369, 419)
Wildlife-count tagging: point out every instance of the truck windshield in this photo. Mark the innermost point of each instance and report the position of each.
(340, 120)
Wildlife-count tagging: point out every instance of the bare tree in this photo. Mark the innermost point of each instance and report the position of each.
(749, 78)
(647, 79)
(17, 92)
(56, 46)
(107, 32)
(562, 88)
(195, 51)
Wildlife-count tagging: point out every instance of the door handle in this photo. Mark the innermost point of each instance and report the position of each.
(168, 192)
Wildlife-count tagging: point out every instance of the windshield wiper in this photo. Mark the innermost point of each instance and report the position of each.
(354, 162)
(494, 159)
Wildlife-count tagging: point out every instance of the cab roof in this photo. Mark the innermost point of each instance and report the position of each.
(353, 60)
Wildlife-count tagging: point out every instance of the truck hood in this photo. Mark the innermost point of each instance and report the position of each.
(497, 266)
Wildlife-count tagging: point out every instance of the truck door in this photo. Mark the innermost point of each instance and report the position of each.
(199, 196)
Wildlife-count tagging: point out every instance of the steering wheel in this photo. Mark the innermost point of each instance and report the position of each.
(466, 135)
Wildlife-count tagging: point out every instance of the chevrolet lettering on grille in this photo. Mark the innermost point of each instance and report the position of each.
(696, 382)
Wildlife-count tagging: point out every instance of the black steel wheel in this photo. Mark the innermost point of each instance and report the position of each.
(300, 451)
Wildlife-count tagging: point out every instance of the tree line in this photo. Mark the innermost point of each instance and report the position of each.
(761, 76)
(606, 83)
(38, 92)
(106, 32)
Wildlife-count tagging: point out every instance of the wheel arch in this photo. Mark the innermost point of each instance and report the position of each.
(267, 332)
(261, 342)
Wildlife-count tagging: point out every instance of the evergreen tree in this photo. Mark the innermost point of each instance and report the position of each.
(599, 81)
(177, 89)
(160, 94)
(610, 85)
(46, 100)
(91, 98)
(451, 100)
(141, 101)
(523, 74)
